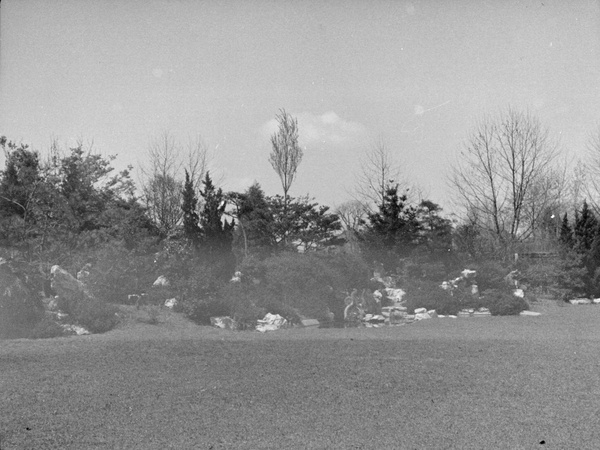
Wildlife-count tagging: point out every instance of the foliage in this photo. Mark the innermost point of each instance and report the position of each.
(191, 227)
(96, 315)
(302, 224)
(429, 295)
(302, 284)
(20, 305)
(491, 274)
(46, 328)
(502, 303)
(255, 220)
(216, 233)
(393, 231)
(117, 271)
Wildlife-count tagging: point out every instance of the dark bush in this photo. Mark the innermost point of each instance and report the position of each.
(301, 281)
(201, 310)
(96, 315)
(429, 295)
(491, 275)
(20, 305)
(198, 294)
(501, 303)
(45, 329)
(117, 272)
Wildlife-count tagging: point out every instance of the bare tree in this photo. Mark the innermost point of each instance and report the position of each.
(286, 154)
(162, 177)
(505, 175)
(352, 214)
(378, 170)
(588, 173)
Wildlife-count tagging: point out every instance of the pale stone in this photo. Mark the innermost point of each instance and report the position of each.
(467, 273)
(171, 303)
(420, 310)
(309, 323)
(580, 301)
(519, 293)
(225, 322)
(161, 281)
(422, 316)
(529, 313)
(433, 314)
(65, 284)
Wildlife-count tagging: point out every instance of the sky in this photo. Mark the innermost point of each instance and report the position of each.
(415, 75)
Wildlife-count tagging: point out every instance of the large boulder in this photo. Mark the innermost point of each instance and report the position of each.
(66, 285)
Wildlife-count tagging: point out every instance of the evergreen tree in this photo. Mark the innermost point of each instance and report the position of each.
(217, 233)
(566, 234)
(191, 219)
(393, 231)
(255, 221)
(585, 229)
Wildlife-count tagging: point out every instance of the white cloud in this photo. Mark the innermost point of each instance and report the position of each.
(324, 129)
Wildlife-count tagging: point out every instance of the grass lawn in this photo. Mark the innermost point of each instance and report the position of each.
(499, 382)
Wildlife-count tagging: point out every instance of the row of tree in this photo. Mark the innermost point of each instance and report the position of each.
(508, 181)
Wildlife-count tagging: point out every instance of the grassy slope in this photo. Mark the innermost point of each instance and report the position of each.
(500, 382)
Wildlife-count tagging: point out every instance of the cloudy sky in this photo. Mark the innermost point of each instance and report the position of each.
(416, 74)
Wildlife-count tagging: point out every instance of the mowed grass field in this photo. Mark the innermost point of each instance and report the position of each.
(481, 383)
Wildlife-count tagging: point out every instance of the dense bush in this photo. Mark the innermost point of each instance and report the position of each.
(502, 303)
(429, 295)
(197, 292)
(45, 329)
(117, 272)
(96, 315)
(491, 275)
(20, 304)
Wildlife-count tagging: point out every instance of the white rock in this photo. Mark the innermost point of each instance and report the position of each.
(422, 316)
(519, 293)
(453, 317)
(171, 303)
(441, 316)
(596, 301)
(467, 273)
(420, 310)
(580, 301)
(529, 313)
(432, 313)
(161, 281)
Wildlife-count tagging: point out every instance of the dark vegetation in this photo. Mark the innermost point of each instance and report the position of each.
(297, 258)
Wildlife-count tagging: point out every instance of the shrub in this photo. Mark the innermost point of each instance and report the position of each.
(96, 315)
(117, 272)
(45, 329)
(301, 281)
(201, 310)
(429, 295)
(491, 274)
(198, 294)
(501, 303)
(20, 306)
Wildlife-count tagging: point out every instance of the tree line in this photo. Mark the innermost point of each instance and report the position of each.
(509, 184)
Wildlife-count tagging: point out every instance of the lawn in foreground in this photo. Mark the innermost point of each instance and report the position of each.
(465, 383)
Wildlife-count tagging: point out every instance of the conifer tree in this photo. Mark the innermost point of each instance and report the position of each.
(566, 234)
(191, 219)
(217, 233)
(585, 229)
